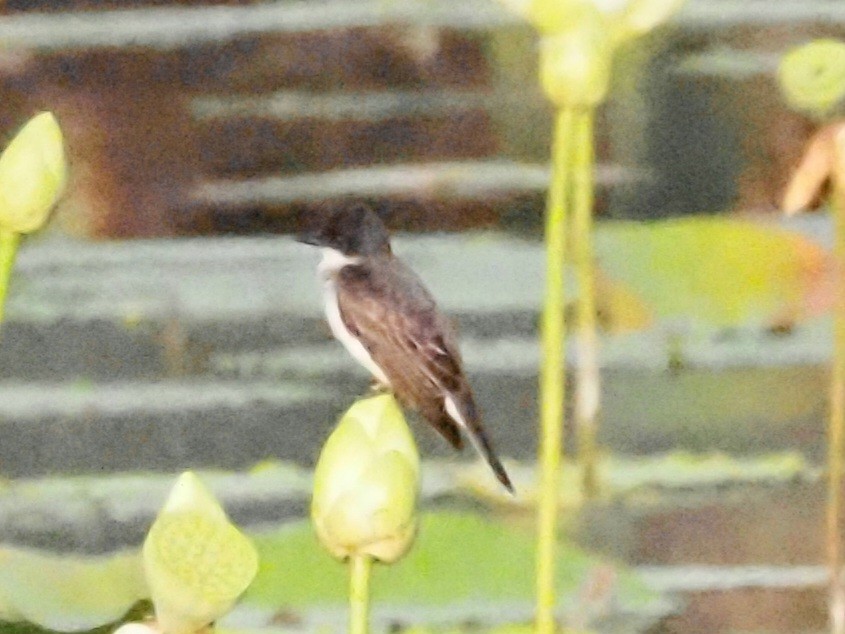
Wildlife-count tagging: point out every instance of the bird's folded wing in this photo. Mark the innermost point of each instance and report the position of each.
(407, 338)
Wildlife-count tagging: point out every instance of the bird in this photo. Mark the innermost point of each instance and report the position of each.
(386, 318)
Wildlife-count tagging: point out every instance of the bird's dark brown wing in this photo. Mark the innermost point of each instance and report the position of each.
(397, 321)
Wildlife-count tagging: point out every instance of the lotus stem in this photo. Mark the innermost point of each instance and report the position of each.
(836, 424)
(9, 241)
(552, 371)
(587, 384)
(360, 567)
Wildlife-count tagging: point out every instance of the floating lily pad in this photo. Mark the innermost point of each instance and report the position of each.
(717, 271)
(463, 566)
(68, 593)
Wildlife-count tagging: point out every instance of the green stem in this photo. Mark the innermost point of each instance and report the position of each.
(587, 385)
(836, 436)
(359, 593)
(552, 371)
(9, 241)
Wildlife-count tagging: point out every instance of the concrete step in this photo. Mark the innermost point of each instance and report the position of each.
(432, 196)
(144, 26)
(208, 281)
(95, 514)
(99, 72)
(646, 515)
(259, 293)
(166, 354)
(256, 63)
(76, 427)
(739, 524)
(293, 132)
(135, 72)
(27, 6)
(177, 27)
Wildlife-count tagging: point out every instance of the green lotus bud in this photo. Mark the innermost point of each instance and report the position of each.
(575, 64)
(32, 175)
(366, 483)
(812, 76)
(555, 16)
(137, 628)
(638, 17)
(197, 563)
(550, 16)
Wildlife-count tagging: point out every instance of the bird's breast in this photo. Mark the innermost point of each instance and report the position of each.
(352, 344)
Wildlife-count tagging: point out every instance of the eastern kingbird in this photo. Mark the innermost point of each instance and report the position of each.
(385, 317)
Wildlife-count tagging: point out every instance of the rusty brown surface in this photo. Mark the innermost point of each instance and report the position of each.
(24, 6)
(412, 213)
(136, 148)
(751, 610)
(263, 146)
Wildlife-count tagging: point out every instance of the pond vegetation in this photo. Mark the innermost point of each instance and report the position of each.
(470, 561)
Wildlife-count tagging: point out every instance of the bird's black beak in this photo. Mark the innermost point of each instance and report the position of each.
(309, 237)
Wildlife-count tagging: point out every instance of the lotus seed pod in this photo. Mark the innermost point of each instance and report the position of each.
(33, 172)
(812, 77)
(366, 483)
(197, 563)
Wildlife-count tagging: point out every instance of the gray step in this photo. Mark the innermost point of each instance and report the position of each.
(165, 354)
(426, 196)
(155, 309)
(75, 427)
(478, 181)
(161, 308)
(174, 27)
(297, 131)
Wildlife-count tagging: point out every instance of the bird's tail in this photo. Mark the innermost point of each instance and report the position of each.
(462, 409)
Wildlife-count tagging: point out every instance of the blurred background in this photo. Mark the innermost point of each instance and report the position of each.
(166, 320)
(202, 118)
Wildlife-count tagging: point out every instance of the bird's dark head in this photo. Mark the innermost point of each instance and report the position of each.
(352, 231)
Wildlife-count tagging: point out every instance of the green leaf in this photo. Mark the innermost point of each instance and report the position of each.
(459, 559)
(717, 271)
(68, 592)
(461, 562)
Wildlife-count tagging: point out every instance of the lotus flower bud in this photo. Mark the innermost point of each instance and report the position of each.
(366, 483)
(197, 563)
(641, 16)
(32, 175)
(575, 64)
(555, 16)
(812, 77)
(137, 628)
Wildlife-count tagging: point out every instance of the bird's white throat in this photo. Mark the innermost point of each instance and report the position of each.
(333, 260)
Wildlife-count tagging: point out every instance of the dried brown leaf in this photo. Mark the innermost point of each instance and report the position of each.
(815, 169)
